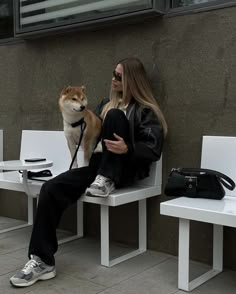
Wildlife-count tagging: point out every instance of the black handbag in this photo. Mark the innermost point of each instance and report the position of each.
(197, 183)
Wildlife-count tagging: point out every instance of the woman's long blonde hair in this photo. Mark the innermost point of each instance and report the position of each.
(136, 83)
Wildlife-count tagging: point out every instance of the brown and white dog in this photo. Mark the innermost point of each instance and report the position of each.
(73, 105)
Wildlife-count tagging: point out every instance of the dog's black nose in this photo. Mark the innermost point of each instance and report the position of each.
(82, 108)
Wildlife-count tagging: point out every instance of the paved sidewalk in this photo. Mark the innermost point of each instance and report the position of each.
(79, 270)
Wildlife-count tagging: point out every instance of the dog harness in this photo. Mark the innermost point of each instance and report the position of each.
(78, 123)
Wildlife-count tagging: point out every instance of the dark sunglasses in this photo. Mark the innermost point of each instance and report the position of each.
(117, 76)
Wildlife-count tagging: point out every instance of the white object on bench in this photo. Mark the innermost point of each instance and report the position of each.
(1, 145)
(52, 145)
(218, 153)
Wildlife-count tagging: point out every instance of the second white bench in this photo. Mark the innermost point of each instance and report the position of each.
(218, 153)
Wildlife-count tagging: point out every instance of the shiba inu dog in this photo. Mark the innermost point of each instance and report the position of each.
(73, 105)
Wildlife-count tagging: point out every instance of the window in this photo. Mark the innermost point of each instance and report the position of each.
(6, 19)
(201, 3)
(40, 16)
(182, 3)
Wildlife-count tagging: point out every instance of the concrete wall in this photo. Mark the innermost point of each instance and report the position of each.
(191, 60)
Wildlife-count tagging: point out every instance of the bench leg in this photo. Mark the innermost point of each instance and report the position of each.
(218, 248)
(80, 219)
(105, 260)
(142, 225)
(80, 225)
(105, 235)
(183, 265)
(30, 208)
(30, 217)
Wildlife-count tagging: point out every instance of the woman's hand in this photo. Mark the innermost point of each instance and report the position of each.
(119, 146)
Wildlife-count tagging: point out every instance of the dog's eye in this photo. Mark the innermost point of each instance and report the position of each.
(74, 99)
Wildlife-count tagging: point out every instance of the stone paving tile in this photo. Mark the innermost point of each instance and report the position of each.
(9, 263)
(111, 291)
(7, 288)
(225, 282)
(6, 222)
(19, 232)
(20, 255)
(9, 244)
(160, 279)
(87, 266)
(61, 284)
(66, 284)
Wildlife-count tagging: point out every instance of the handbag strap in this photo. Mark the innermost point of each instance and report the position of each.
(225, 180)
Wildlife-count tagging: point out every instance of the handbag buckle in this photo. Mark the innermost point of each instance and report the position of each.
(191, 182)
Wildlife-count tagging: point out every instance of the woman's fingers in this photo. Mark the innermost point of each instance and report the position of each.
(116, 146)
(118, 137)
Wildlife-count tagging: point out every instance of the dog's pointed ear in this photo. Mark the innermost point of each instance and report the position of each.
(83, 88)
(65, 90)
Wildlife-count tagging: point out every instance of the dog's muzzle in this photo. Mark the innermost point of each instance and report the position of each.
(79, 110)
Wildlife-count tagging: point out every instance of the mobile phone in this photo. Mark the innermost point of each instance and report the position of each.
(34, 159)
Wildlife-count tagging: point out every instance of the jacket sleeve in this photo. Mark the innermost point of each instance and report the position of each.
(148, 139)
(98, 109)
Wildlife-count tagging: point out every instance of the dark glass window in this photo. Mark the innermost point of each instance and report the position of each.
(191, 2)
(186, 3)
(6, 19)
(40, 12)
(38, 16)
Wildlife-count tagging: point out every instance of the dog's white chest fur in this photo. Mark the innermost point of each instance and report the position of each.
(71, 132)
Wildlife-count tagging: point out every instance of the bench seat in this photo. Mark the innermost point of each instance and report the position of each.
(221, 212)
(124, 196)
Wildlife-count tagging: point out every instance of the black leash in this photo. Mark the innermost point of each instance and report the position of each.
(82, 125)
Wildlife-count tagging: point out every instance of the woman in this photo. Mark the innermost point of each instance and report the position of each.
(132, 138)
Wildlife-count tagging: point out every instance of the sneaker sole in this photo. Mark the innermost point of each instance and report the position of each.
(46, 276)
(96, 195)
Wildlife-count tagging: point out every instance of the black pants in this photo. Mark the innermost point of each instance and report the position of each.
(59, 193)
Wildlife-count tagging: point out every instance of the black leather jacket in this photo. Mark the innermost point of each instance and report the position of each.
(146, 134)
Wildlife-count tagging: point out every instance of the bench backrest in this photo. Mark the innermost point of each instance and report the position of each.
(53, 146)
(1, 145)
(219, 153)
(155, 175)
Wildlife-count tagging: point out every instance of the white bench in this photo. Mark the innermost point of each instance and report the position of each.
(52, 145)
(48, 144)
(218, 153)
(1, 145)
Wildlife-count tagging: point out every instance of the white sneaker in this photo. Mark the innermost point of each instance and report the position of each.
(34, 270)
(101, 187)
